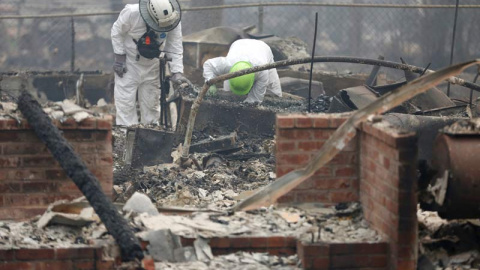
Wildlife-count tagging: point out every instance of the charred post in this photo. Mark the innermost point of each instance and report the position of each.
(76, 169)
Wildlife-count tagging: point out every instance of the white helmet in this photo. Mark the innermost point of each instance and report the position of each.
(160, 15)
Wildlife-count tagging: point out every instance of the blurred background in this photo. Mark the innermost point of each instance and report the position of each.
(41, 35)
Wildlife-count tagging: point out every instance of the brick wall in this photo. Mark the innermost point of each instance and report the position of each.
(31, 179)
(340, 256)
(377, 168)
(298, 139)
(388, 190)
(81, 258)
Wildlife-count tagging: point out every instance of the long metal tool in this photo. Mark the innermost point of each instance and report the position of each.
(453, 40)
(311, 65)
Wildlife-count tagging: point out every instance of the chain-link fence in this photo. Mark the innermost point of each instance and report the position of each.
(419, 31)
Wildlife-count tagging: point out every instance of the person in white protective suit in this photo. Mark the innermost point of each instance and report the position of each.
(246, 53)
(152, 22)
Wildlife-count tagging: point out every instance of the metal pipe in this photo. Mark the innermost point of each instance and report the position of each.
(474, 81)
(311, 64)
(260, 19)
(453, 40)
(72, 60)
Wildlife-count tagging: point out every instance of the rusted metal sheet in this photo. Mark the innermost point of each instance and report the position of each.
(456, 157)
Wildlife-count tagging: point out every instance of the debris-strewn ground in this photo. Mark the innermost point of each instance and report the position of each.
(217, 186)
(237, 261)
(447, 244)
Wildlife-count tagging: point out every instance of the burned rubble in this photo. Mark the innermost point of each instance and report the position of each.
(188, 215)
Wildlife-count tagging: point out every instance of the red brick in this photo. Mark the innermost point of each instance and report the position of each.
(321, 122)
(69, 123)
(104, 147)
(310, 145)
(8, 124)
(240, 242)
(406, 265)
(88, 123)
(220, 242)
(75, 253)
(292, 159)
(345, 171)
(291, 242)
(9, 136)
(337, 122)
(344, 158)
(283, 169)
(105, 123)
(285, 121)
(26, 174)
(39, 186)
(78, 135)
(148, 263)
(285, 147)
(280, 251)
(259, 242)
(276, 241)
(17, 266)
(378, 261)
(287, 198)
(53, 265)
(348, 261)
(105, 265)
(371, 249)
(55, 174)
(85, 147)
(9, 162)
(105, 160)
(10, 187)
(67, 186)
(303, 122)
(39, 161)
(316, 250)
(343, 196)
(24, 149)
(288, 134)
(102, 136)
(324, 171)
(7, 254)
(25, 254)
(311, 196)
(328, 184)
(321, 263)
(83, 265)
(323, 134)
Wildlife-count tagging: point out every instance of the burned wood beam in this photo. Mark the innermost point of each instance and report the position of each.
(76, 169)
(340, 138)
(218, 144)
(317, 59)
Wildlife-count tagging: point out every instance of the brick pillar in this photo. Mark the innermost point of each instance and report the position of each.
(31, 179)
(388, 190)
(298, 138)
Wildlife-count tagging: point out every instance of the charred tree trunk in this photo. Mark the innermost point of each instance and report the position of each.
(76, 169)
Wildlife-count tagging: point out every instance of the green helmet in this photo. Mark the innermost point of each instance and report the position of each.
(241, 85)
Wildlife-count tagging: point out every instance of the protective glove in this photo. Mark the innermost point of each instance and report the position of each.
(178, 78)
(212, 91)
(119, 66)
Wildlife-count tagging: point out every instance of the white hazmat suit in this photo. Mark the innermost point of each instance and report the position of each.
(142, 74)
(256, 52)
